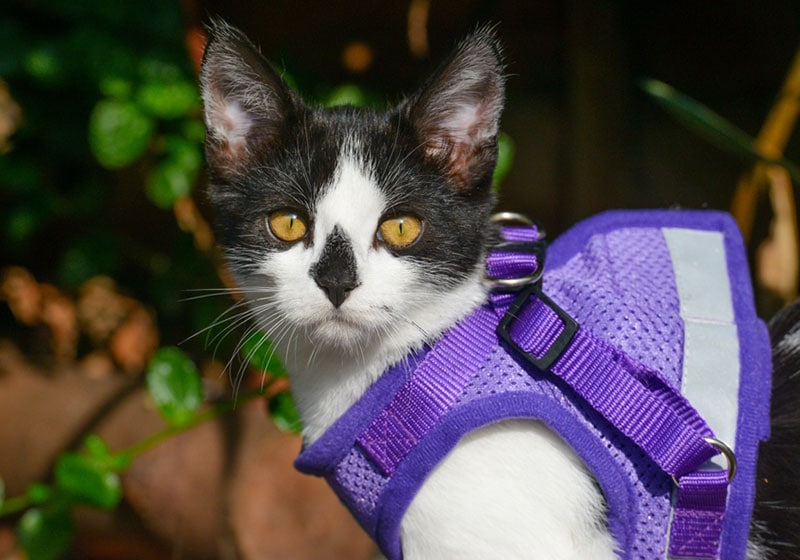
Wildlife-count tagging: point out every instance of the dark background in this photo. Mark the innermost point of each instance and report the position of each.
(587, 138)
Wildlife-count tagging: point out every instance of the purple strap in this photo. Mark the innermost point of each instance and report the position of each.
(634, 399)
(430, 392)
(664, 426)
(647, 410)
(698, 515)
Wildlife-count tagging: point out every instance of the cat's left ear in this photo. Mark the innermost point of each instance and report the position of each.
(247, 104)
(456, 113)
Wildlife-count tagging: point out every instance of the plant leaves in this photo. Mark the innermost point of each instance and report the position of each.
(174, 384)
(257, 350)
(346, 94)
(505, 159)
(711, 125)
(39, 493)
(174, 176)
(168, 99)
(96, 447)
(87, 481)
(45, 534)
(119, 132)
(283, 411)
(167, 183)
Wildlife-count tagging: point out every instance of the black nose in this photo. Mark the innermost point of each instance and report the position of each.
(336, 291)
(335, 272)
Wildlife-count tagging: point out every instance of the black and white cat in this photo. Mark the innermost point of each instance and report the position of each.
(359, 236)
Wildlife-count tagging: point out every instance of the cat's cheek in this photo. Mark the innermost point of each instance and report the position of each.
(296, 296)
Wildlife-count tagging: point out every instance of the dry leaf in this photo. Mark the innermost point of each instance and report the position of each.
(777, 257)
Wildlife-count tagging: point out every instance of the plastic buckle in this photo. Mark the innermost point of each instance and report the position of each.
(561, 342)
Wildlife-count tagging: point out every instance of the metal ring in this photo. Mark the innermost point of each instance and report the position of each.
(510, 283)
(511, 218)
(727, 452)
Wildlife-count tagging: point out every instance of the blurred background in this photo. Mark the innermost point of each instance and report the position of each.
(104, 237)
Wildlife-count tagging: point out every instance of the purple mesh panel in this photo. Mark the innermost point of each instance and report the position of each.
(358, 483)
(622, 287)
(620, 284)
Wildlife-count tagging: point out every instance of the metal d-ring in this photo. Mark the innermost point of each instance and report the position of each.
(727, 452)
(511, 218)
(511, 284)
(516, 219)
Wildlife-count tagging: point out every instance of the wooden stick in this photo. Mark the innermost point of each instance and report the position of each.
(771, 140)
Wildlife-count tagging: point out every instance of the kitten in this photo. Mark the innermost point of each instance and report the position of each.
(359, 236)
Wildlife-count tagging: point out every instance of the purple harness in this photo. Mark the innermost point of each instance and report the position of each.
(638, 314)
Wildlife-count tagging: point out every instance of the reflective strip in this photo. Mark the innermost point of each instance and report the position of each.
(710, 378)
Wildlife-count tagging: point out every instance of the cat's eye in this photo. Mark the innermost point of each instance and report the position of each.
(400, 231)
(287, 225)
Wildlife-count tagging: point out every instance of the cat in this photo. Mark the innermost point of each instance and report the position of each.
(359, 236)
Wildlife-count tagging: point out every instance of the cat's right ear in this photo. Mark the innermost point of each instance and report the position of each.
(246, 102)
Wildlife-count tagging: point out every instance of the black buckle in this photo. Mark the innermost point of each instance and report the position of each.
(557, 347)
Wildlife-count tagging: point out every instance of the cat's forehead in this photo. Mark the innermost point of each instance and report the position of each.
(352, 200)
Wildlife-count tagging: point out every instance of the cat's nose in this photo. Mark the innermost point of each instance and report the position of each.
(336, 289)
(336, 270)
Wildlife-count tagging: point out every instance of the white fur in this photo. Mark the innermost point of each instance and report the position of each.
(511, 490)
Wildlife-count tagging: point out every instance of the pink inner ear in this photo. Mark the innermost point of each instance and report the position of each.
(230, 124)
(470, 124)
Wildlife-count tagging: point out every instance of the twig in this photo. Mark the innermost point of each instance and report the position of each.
(771, 140)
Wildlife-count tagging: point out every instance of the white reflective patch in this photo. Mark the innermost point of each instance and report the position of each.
(711, 342)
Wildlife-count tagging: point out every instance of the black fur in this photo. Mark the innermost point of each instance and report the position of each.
(777, 507)
(425, 166)
(290, 154)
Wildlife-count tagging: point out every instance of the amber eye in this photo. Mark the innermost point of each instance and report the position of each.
(400, 231)
(287, 225)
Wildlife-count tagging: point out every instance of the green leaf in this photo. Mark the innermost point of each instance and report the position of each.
(711, 125)
(90, 255)
(87, 480)
(505, 159)
(97, 448)
(168, 100)
(116, 87)
(22, 222)
(45, 65)
(175, 385)
(194, 130)
(168, 182)
(39, 493)
(45, 534)
(257, 350)
(347, 94)
(119, 132)
(284, 413)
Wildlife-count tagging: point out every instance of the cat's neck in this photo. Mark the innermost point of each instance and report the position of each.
(327, 380)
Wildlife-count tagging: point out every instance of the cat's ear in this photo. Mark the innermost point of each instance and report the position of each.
(246, 102)
(456, 114)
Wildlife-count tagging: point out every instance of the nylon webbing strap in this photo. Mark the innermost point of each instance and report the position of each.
(430, 391)
(641, 405)
(635, 400)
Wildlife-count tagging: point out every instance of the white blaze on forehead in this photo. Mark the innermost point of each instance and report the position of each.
(353, 202)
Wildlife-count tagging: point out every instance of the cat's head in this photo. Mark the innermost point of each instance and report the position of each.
(344, 224)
